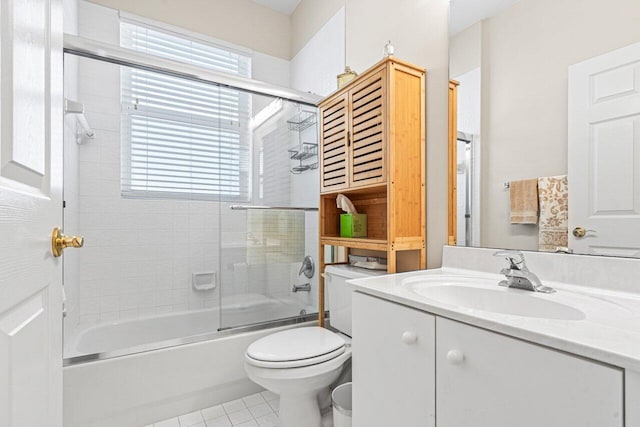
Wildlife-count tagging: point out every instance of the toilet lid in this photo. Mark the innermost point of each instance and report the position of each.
(300, 344)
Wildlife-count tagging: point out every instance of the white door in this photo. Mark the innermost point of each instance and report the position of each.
(484, 379)
(30, 206)
(604, 153)
(393, 364)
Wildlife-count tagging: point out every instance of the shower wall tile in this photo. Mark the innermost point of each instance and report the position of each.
(109, 303)
(127, 302)
(104, 121)
(139, 254)
(128, 314)
(110, 316)
(88, 319)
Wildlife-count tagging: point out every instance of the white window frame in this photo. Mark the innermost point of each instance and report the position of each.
(135, 113)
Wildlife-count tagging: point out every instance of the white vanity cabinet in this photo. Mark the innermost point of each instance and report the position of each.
(487, 379)
(478, 378)
(393, 364)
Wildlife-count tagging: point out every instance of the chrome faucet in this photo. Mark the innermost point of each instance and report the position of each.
(307, 268)
(518, 275)
(306, 287)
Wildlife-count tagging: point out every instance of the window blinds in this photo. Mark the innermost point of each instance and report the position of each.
(183, 139)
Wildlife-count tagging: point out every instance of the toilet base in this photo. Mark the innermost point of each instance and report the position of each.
(299, 410)
(302, 390)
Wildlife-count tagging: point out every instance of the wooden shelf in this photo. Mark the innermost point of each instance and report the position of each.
(372, 149)
(365, 189)
(355, 242)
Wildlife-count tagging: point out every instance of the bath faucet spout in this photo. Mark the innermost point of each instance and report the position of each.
(306, 287)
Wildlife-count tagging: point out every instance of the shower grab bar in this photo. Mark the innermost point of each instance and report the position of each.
(277, 208)
(73, 107)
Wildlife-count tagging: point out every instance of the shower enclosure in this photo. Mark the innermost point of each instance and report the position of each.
(196, 195)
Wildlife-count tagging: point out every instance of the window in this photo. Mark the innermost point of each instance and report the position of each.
(181, 138)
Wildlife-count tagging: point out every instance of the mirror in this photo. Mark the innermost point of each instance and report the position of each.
(546, 96)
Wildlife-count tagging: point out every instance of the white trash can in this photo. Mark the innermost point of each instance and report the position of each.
(341, 400)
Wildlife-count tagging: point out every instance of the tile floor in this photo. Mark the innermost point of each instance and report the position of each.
(256, 410)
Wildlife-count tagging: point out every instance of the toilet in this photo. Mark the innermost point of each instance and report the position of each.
(299, 364)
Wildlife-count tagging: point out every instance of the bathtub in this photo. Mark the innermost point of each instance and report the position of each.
(131, 336)
(136, 372)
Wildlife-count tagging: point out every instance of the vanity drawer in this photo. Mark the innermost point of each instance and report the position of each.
(485, 379)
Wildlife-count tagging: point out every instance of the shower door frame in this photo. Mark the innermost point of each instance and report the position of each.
(87, 48)
(100, 51)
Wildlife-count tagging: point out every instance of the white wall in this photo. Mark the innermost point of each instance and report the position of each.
(419, 31)
(469, 101)
(242, 22)
(465, 51)
(307, 20)
(315, 67)
(526, 50)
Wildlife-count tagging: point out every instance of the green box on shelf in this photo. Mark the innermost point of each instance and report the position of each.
(353, 225)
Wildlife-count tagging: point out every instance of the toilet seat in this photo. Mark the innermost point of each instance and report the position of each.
(295, 348)
(296, 363)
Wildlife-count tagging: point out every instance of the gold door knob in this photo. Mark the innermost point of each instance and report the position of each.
(59, 242)
(580, 232)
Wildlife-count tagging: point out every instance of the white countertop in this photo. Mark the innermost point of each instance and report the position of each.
(609, 332)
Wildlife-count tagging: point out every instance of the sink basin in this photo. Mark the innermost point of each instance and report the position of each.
(485, 295)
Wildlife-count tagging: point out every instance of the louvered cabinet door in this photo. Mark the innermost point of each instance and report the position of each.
(334, 150)
(367, 132)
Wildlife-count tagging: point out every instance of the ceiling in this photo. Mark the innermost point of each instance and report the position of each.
(465, 13)
(283, 6)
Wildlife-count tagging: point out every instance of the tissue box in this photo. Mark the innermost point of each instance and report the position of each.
(353, 225)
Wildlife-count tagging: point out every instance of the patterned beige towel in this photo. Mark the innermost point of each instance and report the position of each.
(553, 192)
(524, 201)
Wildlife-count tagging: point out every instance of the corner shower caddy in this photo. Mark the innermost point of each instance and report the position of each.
(304, 150)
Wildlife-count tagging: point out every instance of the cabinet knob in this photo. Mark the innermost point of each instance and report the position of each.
(409, 338)
(455, 357)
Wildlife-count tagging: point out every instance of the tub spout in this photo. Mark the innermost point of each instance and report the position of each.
(302, 288)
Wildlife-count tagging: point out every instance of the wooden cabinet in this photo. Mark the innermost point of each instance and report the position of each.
(488, 379)
(334, 137)
(393, 364)
(353, 135)
(367, 131)
(372, 149)
(478, 378)
(373, 129)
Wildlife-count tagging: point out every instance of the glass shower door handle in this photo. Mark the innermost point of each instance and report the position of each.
(59, 242)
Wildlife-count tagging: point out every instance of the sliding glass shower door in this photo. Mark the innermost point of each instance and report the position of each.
(164, 194)
(265, 238)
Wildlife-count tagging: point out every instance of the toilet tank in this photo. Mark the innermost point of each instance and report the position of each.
(339, 293)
